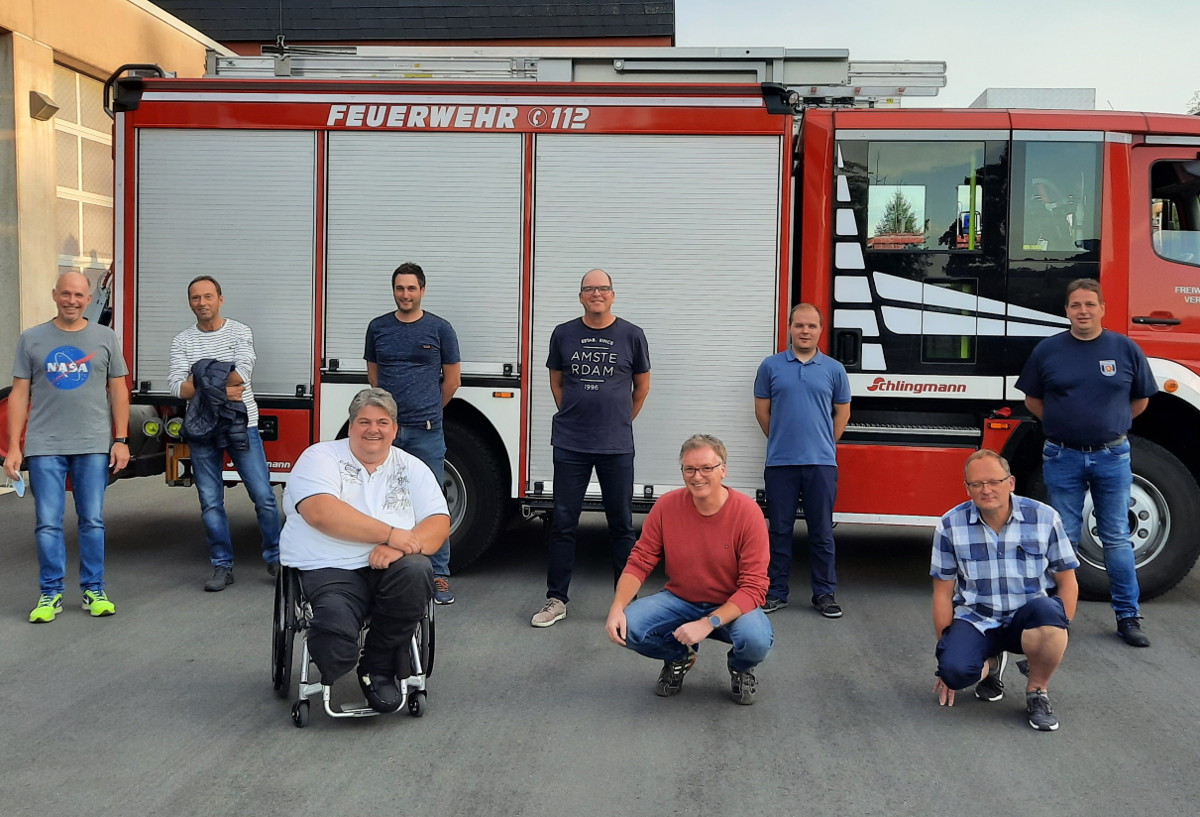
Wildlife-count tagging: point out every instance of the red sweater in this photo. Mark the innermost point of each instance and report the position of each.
(708, 559)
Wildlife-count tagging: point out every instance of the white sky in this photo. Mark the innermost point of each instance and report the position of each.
(1137, 55)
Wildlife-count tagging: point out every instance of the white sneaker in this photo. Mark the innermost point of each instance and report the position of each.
(553, 610)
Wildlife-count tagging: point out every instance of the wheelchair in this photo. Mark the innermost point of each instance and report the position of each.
(289, 631)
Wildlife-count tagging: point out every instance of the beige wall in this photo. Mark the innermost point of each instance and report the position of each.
(94, 37)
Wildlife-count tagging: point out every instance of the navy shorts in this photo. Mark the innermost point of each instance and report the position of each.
(963, 650)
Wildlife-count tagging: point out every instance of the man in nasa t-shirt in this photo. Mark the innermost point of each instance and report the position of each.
(73, 375)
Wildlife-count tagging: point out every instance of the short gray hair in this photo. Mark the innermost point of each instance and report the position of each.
(697, 441)
(374, 397)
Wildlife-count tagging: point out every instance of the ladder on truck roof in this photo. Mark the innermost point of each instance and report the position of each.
(816, 75)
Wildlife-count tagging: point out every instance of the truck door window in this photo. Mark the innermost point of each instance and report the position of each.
(1055, 202)
(1175, 210)
(924, 196)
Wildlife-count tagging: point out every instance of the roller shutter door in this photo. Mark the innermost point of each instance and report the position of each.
(688, 226)
(236, 205)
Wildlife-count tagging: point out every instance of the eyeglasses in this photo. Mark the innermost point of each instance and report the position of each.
(990, 483)
(689, 471)
(589, 290)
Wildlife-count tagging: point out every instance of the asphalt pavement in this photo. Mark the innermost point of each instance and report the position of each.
(167, 708)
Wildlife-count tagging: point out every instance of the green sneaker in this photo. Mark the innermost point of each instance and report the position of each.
(97, 603)
(47, 608)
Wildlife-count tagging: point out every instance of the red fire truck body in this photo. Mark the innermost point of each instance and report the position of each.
(938, 244)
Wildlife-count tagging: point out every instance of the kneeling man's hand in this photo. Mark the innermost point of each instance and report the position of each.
(945, 694)
(615, 626)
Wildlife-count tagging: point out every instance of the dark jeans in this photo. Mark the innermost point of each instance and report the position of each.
(429, 446)
(784, 484)
(572, 472)
(395, 599)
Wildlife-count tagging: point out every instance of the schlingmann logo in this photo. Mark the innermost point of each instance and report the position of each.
(883, 384)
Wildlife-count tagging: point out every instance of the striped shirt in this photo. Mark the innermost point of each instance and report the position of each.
(997, 574)
(232, 343)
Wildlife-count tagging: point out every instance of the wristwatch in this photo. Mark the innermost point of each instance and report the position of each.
(121, 440)
(714, 621)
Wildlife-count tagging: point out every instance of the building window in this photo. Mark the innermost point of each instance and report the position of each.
(83, 141)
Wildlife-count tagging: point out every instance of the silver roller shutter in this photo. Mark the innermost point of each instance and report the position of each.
(688, 226)
(450, 202)
(236, 205)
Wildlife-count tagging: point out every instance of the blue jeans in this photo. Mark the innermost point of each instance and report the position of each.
(572, 472)
(429, 446)
(650, 621)
(1068, 475)
(784, 485)
(48, 481)
(251, 462)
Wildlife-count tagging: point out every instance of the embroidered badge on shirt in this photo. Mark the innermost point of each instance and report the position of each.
(1108, 368)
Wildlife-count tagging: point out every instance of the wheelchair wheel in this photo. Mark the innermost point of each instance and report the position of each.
(287, 592)
(300, 714)
(425, 642)
(416, 704)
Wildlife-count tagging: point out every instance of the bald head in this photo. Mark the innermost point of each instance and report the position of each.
(72, 293)
(73, 279)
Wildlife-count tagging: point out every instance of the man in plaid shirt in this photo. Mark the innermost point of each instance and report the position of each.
(1003, 581)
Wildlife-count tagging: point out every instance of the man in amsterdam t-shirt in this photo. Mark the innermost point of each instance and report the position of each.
(599, 375)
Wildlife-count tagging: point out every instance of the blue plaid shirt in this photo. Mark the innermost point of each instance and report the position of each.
(996, 574)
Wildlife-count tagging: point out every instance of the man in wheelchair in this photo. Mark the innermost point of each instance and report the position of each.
(362, 518)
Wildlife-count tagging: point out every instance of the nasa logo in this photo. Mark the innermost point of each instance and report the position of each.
(68, 368)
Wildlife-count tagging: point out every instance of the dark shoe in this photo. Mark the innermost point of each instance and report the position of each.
(273, 569)
(221, 578)
(827, 607)
(381, 691)
(991, 688)
(670, 680)
(1130, 629)
(1037, 707)
(441, 591)
(772, 604)
(743, 685)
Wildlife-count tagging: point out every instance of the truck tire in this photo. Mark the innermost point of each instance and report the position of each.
(1164, 523)
(476, 486)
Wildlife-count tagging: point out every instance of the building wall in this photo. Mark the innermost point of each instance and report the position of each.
(38, 39)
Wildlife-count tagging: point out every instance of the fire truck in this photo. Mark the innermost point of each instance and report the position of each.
(718, 187)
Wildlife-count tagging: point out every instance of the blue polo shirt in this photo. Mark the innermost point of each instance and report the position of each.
(802, 397)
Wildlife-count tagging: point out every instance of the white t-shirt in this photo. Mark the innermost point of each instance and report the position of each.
(401, 492)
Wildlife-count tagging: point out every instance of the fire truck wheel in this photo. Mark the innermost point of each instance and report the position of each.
(1164, 524)
(475, 492)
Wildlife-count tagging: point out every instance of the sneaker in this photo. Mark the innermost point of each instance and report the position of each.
(991, 688)
(222, 577)
(670, 680)
(772, 604)
(441, 591)
(1130, 629)
(827, 607)
(272, 569)
(1037, 707)
(47, 608)
(553, 610)
(743, 685)
(381, 691)
(96, 602)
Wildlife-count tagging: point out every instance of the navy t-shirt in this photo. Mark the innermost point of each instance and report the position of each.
(1087, 386)
(598, 365)
(410, 357)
